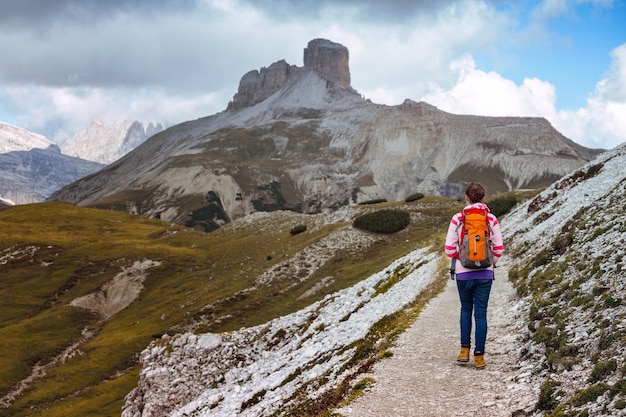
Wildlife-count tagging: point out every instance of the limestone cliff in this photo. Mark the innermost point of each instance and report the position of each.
(328, 59)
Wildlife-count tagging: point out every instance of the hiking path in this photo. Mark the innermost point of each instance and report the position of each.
(422, 378)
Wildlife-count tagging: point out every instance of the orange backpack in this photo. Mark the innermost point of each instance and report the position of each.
(475, 245)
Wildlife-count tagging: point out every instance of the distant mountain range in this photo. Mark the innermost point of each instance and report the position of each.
(32, 167)
(301, 138)
(107, 142)
(31, 176)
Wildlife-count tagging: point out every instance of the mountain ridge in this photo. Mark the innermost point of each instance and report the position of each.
(32, 176)
(32, 167)
(303, 139)
(15, 138)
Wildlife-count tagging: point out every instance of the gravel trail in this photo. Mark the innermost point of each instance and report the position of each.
(423, 379)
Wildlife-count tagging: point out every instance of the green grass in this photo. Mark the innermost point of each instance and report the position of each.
(61, 251)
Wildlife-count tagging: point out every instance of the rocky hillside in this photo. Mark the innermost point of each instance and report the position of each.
(567, 246)
(85, 290)
(254, 320)
(302, 138)
(107, 142)
(271, 368)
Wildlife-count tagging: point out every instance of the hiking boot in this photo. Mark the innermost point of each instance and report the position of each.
(479, 361)
(464, 355)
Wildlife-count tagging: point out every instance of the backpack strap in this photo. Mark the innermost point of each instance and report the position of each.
(453, 267)
(454, 258)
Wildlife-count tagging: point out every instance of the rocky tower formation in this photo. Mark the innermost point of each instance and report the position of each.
(326, 58)
(255, 86)
(329, 59)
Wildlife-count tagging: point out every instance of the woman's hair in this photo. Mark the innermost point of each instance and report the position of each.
(475, 192)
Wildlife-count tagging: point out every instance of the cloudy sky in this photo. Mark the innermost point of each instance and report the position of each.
(65, 62)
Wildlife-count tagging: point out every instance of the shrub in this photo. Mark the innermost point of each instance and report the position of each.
(546, 399)
(502, 205)
(375, 201)
(618, 388)
(298, 229)
(362, 384)
(559, 411)
(610, 302)
(414, 197)
(585, 396)
(383, 221)
(602, 370)
(549, 336)
(255, 399)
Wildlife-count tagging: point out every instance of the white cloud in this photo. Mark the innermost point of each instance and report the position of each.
(601, 124)
(76, 107)
(392, 63)
(550, 9)
(613, 87)
(553, 9)
(489, 94)
(178, 66)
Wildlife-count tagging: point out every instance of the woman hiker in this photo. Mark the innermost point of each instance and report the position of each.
(475, 278)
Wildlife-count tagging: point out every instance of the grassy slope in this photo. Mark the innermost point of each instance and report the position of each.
(74, 250)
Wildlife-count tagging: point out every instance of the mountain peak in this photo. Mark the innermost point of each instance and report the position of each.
(328, 59)
(104, 142)
(14, 138)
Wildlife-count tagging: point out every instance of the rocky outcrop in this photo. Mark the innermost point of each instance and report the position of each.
(255, 86)
(118, 293)
(328, 59)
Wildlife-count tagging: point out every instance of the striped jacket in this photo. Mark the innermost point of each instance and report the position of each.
(453, 238)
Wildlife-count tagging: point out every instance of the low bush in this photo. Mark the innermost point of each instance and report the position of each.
(602, 369)
(383, 221)
(298, 229)
(546, 401)
(375, 201)
(414, 197)
(501, 205)
(585, 396)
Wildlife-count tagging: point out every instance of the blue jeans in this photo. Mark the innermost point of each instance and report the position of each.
(474, 295)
